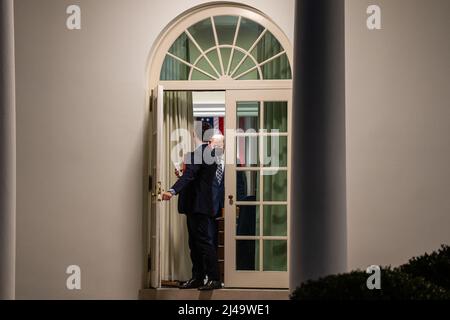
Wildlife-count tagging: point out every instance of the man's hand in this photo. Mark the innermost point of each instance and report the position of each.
(166, 196)
(179, 171)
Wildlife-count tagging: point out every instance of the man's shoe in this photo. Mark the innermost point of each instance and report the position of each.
(211, 285)
(191, 284)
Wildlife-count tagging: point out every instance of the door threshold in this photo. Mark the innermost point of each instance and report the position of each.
(221, 294)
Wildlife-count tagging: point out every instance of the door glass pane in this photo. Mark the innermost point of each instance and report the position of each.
(275, 153)
(247, 185)
(276, 116)
(197, 75)
(237, 57)
(247, 221)
(204, 65)
(275, 186)
(252, 75)
(267, 47)
(275, 255)
(246, 65)
(247, 151)
(213, 56)
(203, 34)
(174, 69)
(249, 31)
(248, 116)
(185, 49)
(247, 255)
(278, 68)
(275, 220)
(226, 28)
(226, 54)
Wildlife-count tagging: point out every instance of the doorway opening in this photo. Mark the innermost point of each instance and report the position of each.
(181, 110)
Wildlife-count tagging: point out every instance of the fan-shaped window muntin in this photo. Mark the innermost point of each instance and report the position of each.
(226, 47)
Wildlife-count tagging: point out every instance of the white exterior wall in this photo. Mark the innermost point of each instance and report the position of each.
(398, 129)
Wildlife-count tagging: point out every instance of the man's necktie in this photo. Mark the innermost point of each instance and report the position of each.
(219, 172)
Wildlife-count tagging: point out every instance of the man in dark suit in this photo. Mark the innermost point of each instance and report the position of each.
(198, 206)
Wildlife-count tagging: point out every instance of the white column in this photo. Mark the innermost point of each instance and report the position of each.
(7, 152)
(318, 220)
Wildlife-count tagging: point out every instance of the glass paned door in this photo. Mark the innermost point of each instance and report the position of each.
(257, 188)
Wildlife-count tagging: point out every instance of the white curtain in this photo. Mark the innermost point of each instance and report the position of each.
(178, 114)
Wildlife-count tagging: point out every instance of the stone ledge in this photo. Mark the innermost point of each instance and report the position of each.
(222, 294)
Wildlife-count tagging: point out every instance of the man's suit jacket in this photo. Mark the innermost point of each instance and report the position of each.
(219, 189)
(195, 185)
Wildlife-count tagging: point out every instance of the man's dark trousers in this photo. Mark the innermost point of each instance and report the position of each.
(203, 252)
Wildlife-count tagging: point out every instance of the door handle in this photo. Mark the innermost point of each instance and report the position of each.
(230, 200)
(160, 191)
(157, 194)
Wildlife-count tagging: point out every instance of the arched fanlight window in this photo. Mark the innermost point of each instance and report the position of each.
(226, 47)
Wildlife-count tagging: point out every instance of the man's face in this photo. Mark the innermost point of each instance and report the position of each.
(218, 145)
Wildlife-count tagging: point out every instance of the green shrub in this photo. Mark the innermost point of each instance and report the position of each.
(434, 267)
(426, 277)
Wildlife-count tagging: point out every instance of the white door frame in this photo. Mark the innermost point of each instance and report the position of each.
(156, 58)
